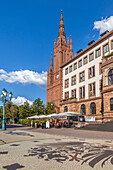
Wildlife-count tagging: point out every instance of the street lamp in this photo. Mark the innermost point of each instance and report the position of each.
(4, 100)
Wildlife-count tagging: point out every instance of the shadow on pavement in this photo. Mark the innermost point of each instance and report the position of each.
(12, 126)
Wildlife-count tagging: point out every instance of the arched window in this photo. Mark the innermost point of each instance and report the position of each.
(110, 77)
(111, 104)
(92, 108)
(83, 109)
(65, 109)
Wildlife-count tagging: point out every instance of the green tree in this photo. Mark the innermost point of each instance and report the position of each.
(14, 113)
(8, 114)
(38, 107)
(11, 111)
(49, 108)
(24, 110)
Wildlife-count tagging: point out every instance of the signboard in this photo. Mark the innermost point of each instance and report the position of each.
(89, 118)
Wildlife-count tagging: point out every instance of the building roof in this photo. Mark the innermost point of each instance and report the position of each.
(88, 48)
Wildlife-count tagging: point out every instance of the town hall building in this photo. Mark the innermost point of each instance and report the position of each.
(82, 83)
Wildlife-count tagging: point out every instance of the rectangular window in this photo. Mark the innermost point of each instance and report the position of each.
(70, 69)
(98, 53)
(91, 57)
(80, 63)
(66, 71)
(91, 72)
(106, 48)
(73, 80)
(82, 76)
(92, 89)
(112, 44)
(66, 83)
(74, 93)
(75, 66)
(82, 92)
(85, 60)
(66, 95)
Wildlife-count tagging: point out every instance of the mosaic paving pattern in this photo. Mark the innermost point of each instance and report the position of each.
(5, 152)
(2, 142)
(13, 166)
(82, 152)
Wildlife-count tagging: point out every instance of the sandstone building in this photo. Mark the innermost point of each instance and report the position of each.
(82, 83)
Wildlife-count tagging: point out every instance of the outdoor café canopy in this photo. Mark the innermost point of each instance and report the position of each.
(37, 117)
(65, 115)
(55, 116)
(41, 116)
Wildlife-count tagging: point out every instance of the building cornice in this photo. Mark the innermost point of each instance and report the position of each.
(84, 100)
(107, 90)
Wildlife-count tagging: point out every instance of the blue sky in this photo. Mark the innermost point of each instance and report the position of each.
(27, 32)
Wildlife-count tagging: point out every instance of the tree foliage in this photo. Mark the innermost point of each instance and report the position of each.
(49, 108)
(15, 112)
(38, 107)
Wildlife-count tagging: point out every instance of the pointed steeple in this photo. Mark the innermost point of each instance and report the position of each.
(68, 41)
(61, 33)
(71, 43)
(51, 64)
(71, 49)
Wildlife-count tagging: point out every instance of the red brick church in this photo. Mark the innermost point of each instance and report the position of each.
(62, 53)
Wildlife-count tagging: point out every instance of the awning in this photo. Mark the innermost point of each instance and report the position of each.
(54, 115)
(65, 114)
(37, 117)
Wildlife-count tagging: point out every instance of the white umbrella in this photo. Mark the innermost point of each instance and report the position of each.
(65, 114)
(37, 117)
(51, 116)
(32, 117)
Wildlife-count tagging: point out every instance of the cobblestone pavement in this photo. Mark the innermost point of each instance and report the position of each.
(20, 149)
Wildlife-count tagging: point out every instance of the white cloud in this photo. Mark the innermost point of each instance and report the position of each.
(104, 24)
(20, 101)
(2, 71)
(24, 77)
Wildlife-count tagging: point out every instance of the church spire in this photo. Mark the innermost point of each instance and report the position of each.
(71, 49)
(61, 34)
(51, 64)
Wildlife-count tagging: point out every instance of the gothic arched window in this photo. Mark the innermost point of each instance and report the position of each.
(92, 108)
(111, 104)
(110, 77)
(65, 109)
(83, 109)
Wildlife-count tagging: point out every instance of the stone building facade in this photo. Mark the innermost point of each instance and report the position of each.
(83, 83)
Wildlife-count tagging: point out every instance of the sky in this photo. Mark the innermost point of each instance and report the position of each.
(27, 32)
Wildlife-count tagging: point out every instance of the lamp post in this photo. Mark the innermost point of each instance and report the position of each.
(4, 100)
